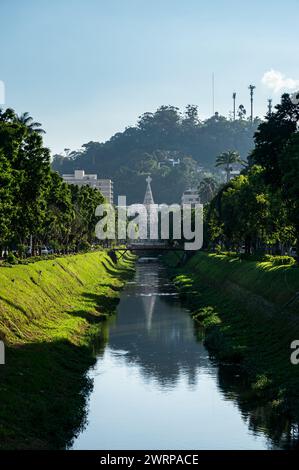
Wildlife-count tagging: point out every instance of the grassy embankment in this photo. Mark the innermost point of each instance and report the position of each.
(51, 317)
(250, 315)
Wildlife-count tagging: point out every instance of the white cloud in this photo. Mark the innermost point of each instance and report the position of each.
(277, 81)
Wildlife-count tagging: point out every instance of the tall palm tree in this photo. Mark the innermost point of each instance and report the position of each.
(32, 125)
(226, 159)
(207, 189)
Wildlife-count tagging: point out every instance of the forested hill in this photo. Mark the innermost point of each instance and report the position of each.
(149, 147)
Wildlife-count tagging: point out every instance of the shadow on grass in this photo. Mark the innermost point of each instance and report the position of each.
(122, 273)
(110, 286)
(43, 393)
(14, 305)
(104, 304)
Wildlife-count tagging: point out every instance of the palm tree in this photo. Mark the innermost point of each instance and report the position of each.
(207, 189)
(226, 159)
(32, 125)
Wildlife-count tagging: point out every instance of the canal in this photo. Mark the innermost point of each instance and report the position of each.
(155, 385)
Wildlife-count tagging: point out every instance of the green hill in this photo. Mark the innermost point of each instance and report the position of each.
(150, 146)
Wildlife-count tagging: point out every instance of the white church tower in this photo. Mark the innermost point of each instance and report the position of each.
(152, 216)
(148, 197)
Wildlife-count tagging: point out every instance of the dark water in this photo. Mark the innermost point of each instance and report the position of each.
(155, 386)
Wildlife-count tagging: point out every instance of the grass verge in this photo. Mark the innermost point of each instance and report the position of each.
(51, 320)
(250, 315)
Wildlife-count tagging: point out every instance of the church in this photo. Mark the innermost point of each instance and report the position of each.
(152, 232)
(152, 215)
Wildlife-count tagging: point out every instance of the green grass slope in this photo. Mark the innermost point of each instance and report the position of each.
(51, 320)
(249, 313)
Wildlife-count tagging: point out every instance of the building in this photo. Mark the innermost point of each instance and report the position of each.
(190, 196)
(169, 162)
(148, 200)
(229, 176)
(149, 204)
(81, 179)
(106, 188)
(152, 238)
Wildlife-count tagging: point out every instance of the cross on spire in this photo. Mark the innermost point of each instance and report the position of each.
(148, 198)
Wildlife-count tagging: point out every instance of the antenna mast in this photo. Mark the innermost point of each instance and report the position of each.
(269, 106)
(251, 88)
(213, 93)
(234, 104)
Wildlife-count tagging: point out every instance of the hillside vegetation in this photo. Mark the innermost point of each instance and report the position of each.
(167, 134)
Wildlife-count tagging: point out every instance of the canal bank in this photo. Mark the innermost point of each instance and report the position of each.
(52, 321)
(249, 314)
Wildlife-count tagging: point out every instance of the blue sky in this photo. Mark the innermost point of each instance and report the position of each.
(88, 68)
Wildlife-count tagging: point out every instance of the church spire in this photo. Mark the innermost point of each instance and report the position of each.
(148, 198)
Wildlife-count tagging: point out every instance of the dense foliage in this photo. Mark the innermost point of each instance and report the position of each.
(35, 203)
(259, 209)
(152, 146)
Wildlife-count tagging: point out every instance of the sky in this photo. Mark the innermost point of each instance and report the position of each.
(86, 69)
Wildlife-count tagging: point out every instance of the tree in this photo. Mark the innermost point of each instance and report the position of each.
(164, 132)
(6, 200)
(32, 125)
(271, 138)
(260, 208)
(34, 200)
(60, 213)
(84, 200)
(289, 163)
(191, 118)
(226, 159)
(207, 189)
(276, 150)
(241, 112)
(247, 212)
(245, 208)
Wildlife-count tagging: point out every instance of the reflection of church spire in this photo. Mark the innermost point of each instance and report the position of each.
(148, 198)
(149, 305)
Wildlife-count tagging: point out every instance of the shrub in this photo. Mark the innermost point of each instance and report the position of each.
(11, 258)
(280, 260)
(206, 316)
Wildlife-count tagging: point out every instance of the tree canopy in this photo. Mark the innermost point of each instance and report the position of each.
(259, 209)
(173, 146)
(35, 203)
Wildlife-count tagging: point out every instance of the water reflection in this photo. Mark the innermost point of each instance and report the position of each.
(157, 335)
(281, 429)
(155, 386)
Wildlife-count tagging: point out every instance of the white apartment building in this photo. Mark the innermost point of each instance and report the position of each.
(190, 196)
(80, 179)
